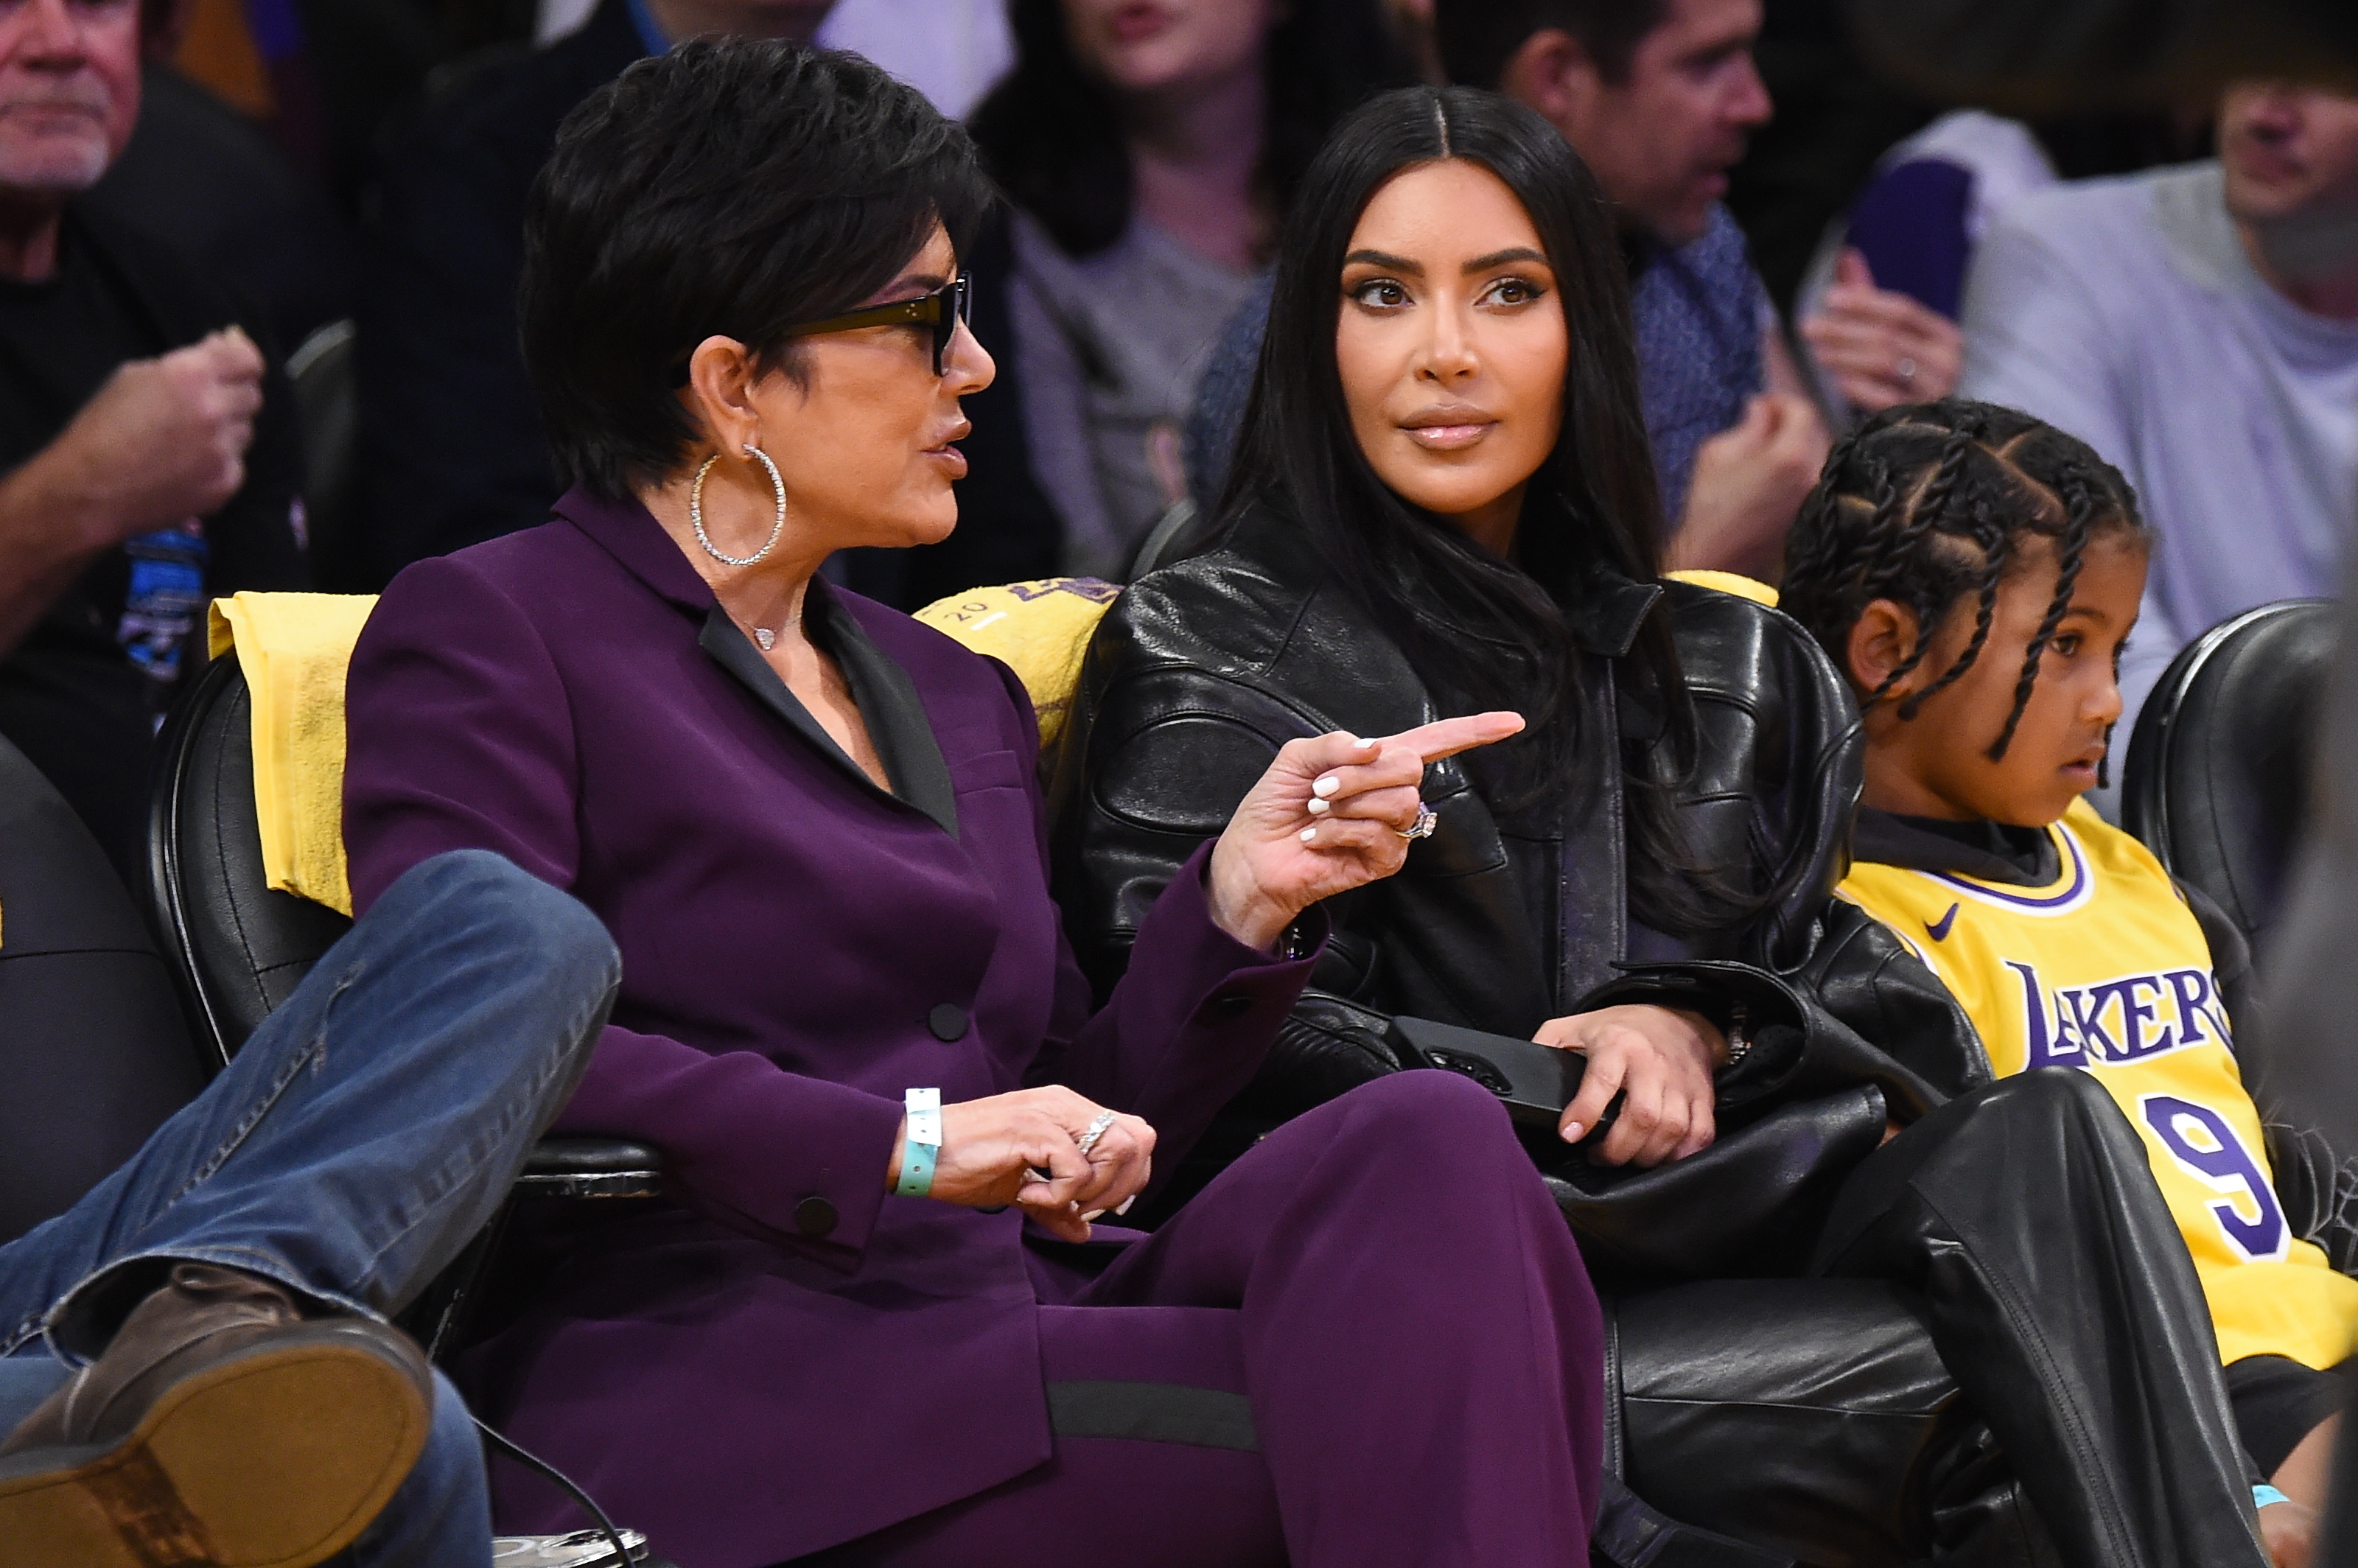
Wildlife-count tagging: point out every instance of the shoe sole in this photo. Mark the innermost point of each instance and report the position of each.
(277, 1459)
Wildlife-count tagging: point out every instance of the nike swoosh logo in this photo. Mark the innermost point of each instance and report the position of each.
(1939, 929)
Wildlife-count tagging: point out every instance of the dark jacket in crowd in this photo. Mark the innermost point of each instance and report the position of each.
(81, 695)
(202, 176)
(454, 453)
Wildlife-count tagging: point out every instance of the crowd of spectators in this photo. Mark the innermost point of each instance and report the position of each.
(261, 328)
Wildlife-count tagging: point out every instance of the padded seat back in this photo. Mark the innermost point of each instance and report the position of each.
(2217, 779)
(93, 1051)
(236, 948)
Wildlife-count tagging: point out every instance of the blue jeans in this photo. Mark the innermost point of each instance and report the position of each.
(366, 1132)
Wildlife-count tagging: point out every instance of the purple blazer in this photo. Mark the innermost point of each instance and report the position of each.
(787, 1358)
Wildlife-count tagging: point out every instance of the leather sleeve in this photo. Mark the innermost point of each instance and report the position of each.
(2319, 1191)
(1861, 1009)
(2230, 958)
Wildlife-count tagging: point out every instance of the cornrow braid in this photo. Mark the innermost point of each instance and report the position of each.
(2079, 521)
(1925, 503)
(1995, 553)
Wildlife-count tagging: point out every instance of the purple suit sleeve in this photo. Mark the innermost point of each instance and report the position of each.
(460, 735)
(1188, 1023)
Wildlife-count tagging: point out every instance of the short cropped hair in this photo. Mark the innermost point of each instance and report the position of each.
(733, 186)
(1479, 38)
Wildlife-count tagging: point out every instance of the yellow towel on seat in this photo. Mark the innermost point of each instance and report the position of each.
(1736, 583)
(1039, 630)
(294, 649)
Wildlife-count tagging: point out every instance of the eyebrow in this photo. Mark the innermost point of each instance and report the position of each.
(1501, 258)
(1479, 264)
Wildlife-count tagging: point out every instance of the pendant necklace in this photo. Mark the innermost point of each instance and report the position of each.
(769, 639)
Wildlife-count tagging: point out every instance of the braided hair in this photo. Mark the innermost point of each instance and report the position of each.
(1925, 503)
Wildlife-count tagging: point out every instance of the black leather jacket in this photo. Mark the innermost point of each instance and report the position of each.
(1201, 671)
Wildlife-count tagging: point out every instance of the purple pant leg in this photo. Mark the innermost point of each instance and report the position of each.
(1388, 1282)
(1421, 1347)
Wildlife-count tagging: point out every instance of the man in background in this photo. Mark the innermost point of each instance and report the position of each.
(2199, 326)
(148, 449)
(1659, 96)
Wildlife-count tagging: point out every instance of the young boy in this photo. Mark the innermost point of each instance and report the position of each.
(1976, 573)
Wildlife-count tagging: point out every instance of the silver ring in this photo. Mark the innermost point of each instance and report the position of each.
(1095, 1130)
(1906, 371)
(1422, 827)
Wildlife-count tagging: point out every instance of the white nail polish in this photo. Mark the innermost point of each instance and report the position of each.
(1310, 835)
(1319, 807)
(1364, 745)
(1326, 786)
(1572, 1131)
(1123, 1207)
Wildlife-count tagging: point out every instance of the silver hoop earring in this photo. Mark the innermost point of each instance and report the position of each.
(696, 510)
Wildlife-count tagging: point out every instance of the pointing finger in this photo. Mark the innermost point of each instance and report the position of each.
(1447, 737)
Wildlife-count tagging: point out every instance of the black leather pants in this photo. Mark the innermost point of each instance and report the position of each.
(2054, 1284)
(1811, 1419)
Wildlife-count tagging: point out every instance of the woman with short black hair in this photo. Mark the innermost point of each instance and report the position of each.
(872, 1319)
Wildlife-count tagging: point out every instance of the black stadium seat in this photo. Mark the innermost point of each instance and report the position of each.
(2217, 779)
(238, 949)
(92, 1049)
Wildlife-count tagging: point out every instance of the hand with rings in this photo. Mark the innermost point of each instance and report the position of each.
(1333, 813)
(1049, 1151)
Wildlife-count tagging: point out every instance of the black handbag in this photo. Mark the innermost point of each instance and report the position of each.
(1751, 1204)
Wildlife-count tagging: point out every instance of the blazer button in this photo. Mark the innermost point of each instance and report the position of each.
(948, 1022)
(815, 1217)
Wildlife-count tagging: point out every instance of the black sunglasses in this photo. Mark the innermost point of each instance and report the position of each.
(944, 309)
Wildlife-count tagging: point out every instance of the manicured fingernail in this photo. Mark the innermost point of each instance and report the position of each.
(1094, 1214)
(1572, 1131)
(1319, 807)
(1310, 835)
(1124, 1206)
(1364, 745)
(1327, 785)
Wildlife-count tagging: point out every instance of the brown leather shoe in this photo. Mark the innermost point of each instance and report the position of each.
(218, 1428)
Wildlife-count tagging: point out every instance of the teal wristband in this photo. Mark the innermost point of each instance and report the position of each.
(923, 1143)
(2263, 1496)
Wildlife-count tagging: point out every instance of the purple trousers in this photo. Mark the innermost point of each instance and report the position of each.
(1369, 1343)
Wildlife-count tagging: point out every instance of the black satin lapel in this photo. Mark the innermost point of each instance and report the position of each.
(920, 778)
(896, 718)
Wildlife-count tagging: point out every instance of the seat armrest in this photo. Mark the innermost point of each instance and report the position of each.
(590, 1168)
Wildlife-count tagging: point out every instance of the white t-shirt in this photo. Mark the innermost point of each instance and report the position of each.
(2127, 312)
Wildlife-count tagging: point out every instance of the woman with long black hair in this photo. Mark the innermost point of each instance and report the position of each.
(1443, 503)
(1150, 150)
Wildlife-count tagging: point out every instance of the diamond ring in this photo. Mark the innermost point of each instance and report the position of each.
(1095, 1130)
(1422, 827)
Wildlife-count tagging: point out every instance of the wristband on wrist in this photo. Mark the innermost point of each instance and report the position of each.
(922, 1144)
(2263, 1496)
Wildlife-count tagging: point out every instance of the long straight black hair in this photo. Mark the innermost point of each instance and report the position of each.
(1050, 134)
(1479, 631)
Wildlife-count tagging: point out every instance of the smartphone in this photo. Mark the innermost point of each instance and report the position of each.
(1535, 1081)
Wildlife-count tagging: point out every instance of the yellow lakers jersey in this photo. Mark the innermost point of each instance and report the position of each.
(2106, 970)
